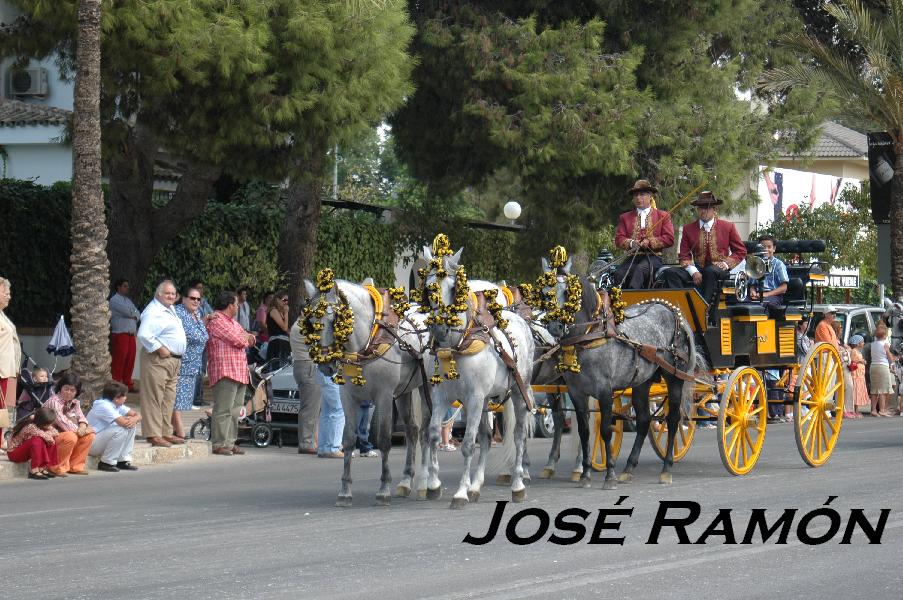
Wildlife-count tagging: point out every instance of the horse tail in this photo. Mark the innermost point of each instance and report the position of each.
(695, 363)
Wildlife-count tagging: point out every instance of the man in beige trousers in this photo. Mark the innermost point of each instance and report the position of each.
(162, 340)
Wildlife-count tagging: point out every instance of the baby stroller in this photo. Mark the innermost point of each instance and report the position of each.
(254, 422)
(33, 395)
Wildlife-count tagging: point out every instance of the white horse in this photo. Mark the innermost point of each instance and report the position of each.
(482, 375)
(389, 365)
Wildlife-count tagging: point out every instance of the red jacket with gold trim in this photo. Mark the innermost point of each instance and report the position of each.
(661, 235)
(722, 244)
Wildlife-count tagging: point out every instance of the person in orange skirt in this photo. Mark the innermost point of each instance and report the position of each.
(76, 436)
(857, 368)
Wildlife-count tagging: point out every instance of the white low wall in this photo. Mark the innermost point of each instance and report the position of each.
(36, 347)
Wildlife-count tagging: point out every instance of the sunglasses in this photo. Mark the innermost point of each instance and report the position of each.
(198, 298)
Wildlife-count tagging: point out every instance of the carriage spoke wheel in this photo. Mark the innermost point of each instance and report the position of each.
(741, 421)
(819, 404)
(658, 432)
(620, 406)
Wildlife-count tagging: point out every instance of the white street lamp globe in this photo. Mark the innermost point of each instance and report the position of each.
(511, 210)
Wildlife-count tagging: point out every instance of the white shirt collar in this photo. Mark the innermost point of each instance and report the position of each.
(707, 225)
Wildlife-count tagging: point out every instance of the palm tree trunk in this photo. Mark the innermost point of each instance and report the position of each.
(90, 266)
(896, 223)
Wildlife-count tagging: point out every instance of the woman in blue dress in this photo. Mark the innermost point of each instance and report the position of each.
(196, 334)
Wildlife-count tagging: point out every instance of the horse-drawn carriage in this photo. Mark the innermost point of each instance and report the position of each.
(753, 361)
(664, 358)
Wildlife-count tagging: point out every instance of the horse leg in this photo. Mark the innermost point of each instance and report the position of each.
(605, 410)
(473, 407)
(555, 452)
(352, 410)
(521, 427)
(434, 436)
(675, 389)
(411, 431)
(484, 436)
(384, 443)
(425, 456)
(640, 401)
(581, 410)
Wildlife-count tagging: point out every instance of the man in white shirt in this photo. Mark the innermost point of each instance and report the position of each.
(114, 425)
(162, 339)
(123, 326)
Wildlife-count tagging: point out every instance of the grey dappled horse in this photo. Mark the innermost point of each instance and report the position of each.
(393, 376)
(616, 365)
(482, 376)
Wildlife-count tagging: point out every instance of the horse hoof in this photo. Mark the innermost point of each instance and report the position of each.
(519, 496)
(526, 479)
(665, 479)
(458, 503)
(384, 500)
(421, 494)
(547, 473)
(610, 484)
(473, 496)
(434, 494)
(343, 502)
(625, 478)
(503, 480)
(585, 483)
(402, 491)
(575, 476)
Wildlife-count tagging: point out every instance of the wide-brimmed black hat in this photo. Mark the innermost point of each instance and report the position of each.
(642, 185)
(706, 199)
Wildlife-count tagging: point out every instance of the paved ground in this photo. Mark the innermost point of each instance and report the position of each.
(263, 526)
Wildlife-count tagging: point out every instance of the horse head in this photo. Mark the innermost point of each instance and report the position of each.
(560, 296)
(442, 296)
(327, 321)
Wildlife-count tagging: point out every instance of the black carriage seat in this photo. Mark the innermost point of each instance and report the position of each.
(796, 292)
(746, 310)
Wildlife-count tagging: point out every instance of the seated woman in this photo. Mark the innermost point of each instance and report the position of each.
(34, 394)
(34, 439)
(76, 436)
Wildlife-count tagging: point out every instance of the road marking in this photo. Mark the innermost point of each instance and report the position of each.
(52, 510)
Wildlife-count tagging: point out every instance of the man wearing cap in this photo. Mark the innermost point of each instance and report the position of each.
(643, 233)
(709, 249)
(824, 331)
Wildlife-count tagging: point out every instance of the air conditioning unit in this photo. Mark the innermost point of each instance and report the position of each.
(30, 82)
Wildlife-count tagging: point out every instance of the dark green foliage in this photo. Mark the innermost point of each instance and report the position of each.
(35, 249)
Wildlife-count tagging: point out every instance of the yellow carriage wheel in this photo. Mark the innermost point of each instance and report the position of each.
(620, 406)
(658, 432)
(819, 404)
(741, 420)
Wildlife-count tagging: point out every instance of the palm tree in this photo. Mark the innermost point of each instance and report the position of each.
(90, 265)
(869, 92)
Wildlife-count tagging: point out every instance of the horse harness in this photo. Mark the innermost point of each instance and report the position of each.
(596, 335)
(477, 335)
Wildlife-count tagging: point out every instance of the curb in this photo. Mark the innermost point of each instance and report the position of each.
(143, 455)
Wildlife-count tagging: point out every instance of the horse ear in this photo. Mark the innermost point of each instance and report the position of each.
(427, 254)
(545, 264)
(566, 269)
(456, 257)
(309, 290)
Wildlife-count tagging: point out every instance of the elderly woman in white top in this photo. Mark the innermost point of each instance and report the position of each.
(10, 356)
(879, 372)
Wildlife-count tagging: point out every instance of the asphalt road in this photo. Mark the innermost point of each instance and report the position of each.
(263, 525)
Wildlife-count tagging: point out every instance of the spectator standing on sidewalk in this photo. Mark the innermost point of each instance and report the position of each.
(205, 311)
(123, 327)
(196, 336)
(115, 425)
(305, 372)
(228, 371)
(10, 355)
(163, 343)
(278, 345)
(244, 308)
(332, 420)
(260, 317)
(76, 436)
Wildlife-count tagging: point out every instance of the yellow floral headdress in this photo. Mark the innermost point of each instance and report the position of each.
(342, 326)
